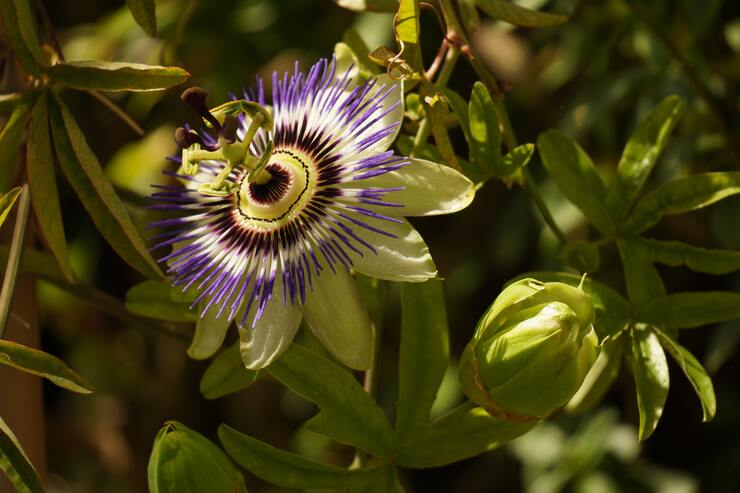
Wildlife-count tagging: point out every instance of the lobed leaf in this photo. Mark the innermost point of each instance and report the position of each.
(693, 370)
(144, 15)
(286, 469)
(675, 253)
(642, 278)
(45, 365)
(689, 310)
(184, 461)
(42, 183)
(116, 76)
(424, 352)
(348, 414)
(683, 195)
(650, 368)
(15, 464)
(227, 374)
(575, 175)
(96, 192)
(512, 13)
(641, 152)
(460, 435)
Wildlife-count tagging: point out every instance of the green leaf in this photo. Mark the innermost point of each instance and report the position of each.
(42, 364)
(183, 461)
(436, 110)
(641, 152)
(14, 463)
(385, 481)
(158, 299)
(35, 262)
(575, 175)
(583, 256)
(689, 310)
(651, 378)
(7, 200)
(675, 253)
(10, 142)
(683, 195)
(461, 434)
(227, 374)
(369, 5)
(485, 145)
(10, 102)
(613, 312)
(407, 21)
(210, 332)
(144, 15)
(96, 192)
(11, 21)
(519, 16)
(424, 352)
(42, 183)
(286, 469)
(355, 42)
(460, 109)
(599, 378)
(643, 281)
(116, 76)
(28, 26)
(514, 160)
(693, 370)
(348, 414)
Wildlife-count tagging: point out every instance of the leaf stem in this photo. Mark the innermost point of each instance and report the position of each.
(14, 257)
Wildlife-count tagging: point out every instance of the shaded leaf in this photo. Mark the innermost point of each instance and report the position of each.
(369, 5)
(642, 278)
(576, 177)
(96, 192)
(35, 262)
(28, 26)
(485, 133)
(689, 310)
(512, 13)
(583, 256)
(693, 370)
(650, 368)
(24, 55)
(599, 378)
(42, 364)
(641, 152)
(462, 434)
(116, 76)
(385, 481)
(10, 142)
(683, 195)
(7, 200)
(183, 460)
(355, 42)
(423, 356)
(675, 253)
(157, 299)
(436, 110)
(284, 468)
(42, 182)
(227, 374)
(210, 332)
(144, 15)
(348, 414)
(9, 102)
(15, 464)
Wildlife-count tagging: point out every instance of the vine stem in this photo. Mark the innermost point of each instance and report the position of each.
(457, 31)
(14, 257)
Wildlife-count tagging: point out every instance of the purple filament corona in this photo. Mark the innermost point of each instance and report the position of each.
(338, 133)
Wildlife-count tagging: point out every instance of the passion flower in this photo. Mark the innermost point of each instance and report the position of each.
(280, 208)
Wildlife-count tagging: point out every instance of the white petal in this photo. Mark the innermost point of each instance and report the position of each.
(272, 333)
(429, 189)
(402, 258)
(338, 317)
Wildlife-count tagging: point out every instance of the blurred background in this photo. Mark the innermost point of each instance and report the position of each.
(593, 77)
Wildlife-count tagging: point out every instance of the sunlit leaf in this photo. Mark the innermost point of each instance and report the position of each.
(7, 200)
(348, 414)
(641, 152)
(599, 378)
(642, 278)
(460, 435)
(698, 259)
(484, 128)
(683, 195)
(514, 160)
(693, 370)
(650, 368)
(210, 332)
(286, 469)
(116, 76)
(227, 374)
(689, 310)
(423, 355)
(42, 364)
(42, 182)
(512, 13)
(436, 110)
(15, 464)
(576, 177)
(185, 461)
(157, 299)
(96, 192)
(10, 142)
(369, 5)
(407, 21)
(144, 14)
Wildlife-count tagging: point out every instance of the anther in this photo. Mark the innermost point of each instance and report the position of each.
(196, 98)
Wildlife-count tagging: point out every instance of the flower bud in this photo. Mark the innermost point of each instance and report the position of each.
(531, 350)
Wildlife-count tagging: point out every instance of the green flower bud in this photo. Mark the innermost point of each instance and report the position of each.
(531, 350)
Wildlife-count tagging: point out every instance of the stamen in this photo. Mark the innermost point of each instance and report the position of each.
(196, 98)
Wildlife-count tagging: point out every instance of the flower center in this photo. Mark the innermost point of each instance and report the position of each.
(272, 198)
